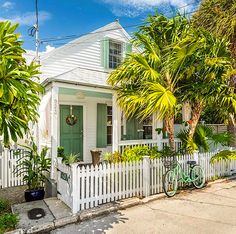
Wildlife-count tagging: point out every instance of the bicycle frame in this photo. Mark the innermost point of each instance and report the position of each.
(178, 171)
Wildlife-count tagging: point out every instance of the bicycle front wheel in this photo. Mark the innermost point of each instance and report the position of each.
(170, 183)
(197, 176)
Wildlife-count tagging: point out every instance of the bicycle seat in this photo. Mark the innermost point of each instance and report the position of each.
(192, 163)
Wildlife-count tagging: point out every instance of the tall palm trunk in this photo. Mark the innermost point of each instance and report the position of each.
(232, 129)
(196, 113)
(169, 125)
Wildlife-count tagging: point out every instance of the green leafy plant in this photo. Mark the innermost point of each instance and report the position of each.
(70, 158)
(203, 138)
(8, 222)
(167, 152)
(136, 153)
(225, 155)
(18, 87)
(60, 152)
(112, 157)
(4, 206)
(34, 166)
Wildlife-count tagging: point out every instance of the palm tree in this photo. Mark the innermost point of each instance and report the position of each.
(218, 17)
(18, 92)
(204, 65)
(143, 82)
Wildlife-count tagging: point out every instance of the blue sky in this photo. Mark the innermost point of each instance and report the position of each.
(59, 18)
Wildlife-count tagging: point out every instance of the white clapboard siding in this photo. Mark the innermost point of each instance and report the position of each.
(84, 52)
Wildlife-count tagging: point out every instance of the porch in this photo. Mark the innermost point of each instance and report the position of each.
(83, 118)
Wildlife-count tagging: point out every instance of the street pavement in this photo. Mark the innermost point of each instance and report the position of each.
(211, 210)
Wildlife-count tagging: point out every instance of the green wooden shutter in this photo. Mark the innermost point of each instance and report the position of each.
(128, 47)
(132, 127)
(105, 52)
(101, 125)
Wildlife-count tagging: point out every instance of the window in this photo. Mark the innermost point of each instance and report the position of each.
(109, 125)
(115, 54)
(147, 128)
(134, 129)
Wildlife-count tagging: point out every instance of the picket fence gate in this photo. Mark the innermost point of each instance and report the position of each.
(9, 158)
(84, 187)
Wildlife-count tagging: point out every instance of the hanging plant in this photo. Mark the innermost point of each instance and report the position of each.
(71, 120)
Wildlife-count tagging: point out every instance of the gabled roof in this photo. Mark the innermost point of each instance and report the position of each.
(81, 76)
(104, 29)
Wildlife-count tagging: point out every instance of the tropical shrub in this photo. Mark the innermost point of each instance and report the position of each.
(113, 157)
(8, 222)
(18, 89)
(136, 153)
(70, 158)
(225, 155)
(4, 206)
(131, 154)
(60, 152)
(167, 152)
(203, 138)
(34, 166)
(67, 158)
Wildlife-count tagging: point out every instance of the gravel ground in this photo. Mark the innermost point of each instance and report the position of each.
(14, 194)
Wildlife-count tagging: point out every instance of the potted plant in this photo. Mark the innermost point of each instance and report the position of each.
(34, 167)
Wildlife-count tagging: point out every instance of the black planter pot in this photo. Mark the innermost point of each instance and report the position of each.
(34, 195)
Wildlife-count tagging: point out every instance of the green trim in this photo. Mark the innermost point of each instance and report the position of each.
(105, 52)
(67, 91)
(101, 125)
(128, 47)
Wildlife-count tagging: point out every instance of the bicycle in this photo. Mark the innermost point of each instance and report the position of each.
(176, 174)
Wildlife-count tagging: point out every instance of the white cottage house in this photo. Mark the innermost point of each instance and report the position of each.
(79, 110)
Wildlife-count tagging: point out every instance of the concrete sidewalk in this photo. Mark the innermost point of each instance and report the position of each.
(42, 215)
(211, 210)
(50, 214)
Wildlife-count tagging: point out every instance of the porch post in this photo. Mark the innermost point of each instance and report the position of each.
(116, 124)
(54, 129)
(155, 136)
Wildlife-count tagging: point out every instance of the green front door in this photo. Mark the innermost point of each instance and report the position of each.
(71, 129)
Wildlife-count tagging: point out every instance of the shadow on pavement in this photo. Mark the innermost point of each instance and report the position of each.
(98, 225)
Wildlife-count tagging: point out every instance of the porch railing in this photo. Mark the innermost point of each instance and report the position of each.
(149, 143)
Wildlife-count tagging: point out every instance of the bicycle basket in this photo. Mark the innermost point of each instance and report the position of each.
(169, 162)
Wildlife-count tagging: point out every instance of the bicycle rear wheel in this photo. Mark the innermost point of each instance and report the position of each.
(197, 176)
(170, 183)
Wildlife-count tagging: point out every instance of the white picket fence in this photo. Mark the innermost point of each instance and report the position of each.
(83, 187)
(8, 161)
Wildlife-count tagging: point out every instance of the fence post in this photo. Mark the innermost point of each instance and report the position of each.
(196, 156)
(5, 157)
(74, 186)
(146, 176)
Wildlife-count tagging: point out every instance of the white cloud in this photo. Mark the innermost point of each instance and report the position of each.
(28, 18)
(132, 8)
(8, 5)
(49, 48)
